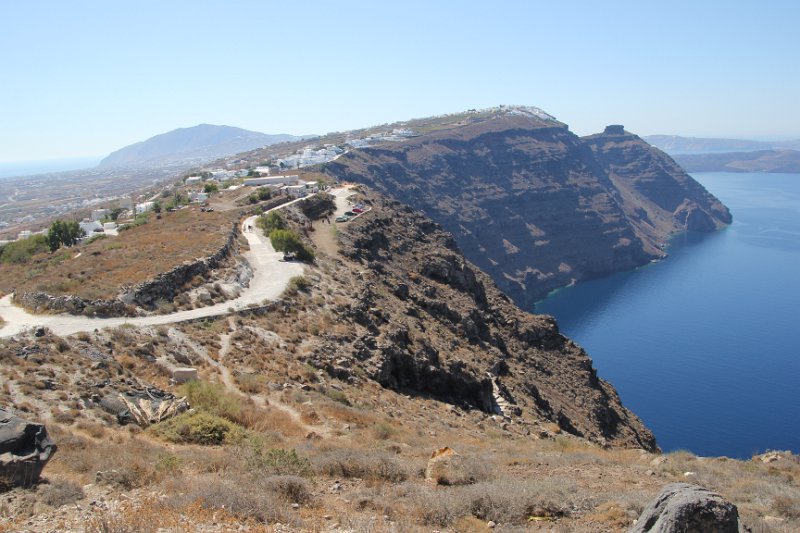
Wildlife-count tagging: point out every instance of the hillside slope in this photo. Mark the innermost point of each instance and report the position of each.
(675, 144)
(199, 143)
(782, 161)
(321, 410)
(535, 206)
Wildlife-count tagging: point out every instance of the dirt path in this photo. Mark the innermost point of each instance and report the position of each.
(324, 234)
(227, 380)
(271, 275)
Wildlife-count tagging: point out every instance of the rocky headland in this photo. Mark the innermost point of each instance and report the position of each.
(534, 205)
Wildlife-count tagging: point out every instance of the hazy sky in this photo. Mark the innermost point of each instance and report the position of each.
(86, 77)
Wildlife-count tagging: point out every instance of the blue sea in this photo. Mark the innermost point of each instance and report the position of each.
(705, 346)
(10, 169)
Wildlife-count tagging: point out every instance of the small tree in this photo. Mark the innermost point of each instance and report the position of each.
(63, 234)
(271, 221)
(210, 188)
(289, 242)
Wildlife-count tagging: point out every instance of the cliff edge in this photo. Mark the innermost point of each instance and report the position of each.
(534, 205)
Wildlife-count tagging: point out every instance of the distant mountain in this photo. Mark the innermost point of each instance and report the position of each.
(187, 146)
(782, 161)
(675, 144)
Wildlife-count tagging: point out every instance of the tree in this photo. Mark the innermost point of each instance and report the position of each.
(63, 234)
(115, 213)
(157, 207)
(289, 242)
(209, 188)
(271, 221)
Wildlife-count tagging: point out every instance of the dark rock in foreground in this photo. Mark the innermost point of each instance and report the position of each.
(684, 508)
(25, 449)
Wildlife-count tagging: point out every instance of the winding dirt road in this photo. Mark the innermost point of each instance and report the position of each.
(271, 275)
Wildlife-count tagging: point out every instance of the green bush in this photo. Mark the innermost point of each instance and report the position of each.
(212, 398)
(22, 251)
(299, 283)
(288, 241)
(271, 221)
(139, 220)
(262, 459)
(198, 428)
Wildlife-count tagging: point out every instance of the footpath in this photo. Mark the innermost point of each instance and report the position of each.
(271, 276)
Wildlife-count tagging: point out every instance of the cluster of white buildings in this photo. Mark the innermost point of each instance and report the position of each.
(396, 135)
(218, 175)
(309, 156)
(290, 185)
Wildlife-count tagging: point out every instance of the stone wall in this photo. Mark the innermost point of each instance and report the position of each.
(147, 294)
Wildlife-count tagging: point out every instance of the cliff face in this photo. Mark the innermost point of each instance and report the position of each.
(534, 205)
(426, 321)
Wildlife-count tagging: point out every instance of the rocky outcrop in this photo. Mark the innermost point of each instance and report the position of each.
(167, 285)
(427, 322)
(40, 302)
(25, 449)
(535, 206)
(146, 295)
(684, 508)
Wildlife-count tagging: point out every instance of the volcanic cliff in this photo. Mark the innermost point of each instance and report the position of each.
(534, 205)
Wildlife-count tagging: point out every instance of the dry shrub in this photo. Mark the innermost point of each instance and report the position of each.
(465, 470)
(122, 337)
(131, 469)
(786, 507)
(346, 414)
(60, 492)
(612, 514)
(95, 430)
(294, 489)
(242, 497)
(150, 515)
(349, 463)
(509, 501)
(252, 383)
(382, 431)
(260, 458)
(278, 421)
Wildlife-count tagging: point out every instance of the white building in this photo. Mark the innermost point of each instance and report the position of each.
(198, 196)
(24, 234)
(296, 191)
(90, 227)
(144, 207)
(273, 180)
(193, 179)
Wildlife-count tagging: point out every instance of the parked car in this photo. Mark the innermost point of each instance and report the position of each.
(357, 210)
(350, 214)
(342, 218)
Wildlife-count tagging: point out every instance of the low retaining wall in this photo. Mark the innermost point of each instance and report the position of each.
(163, 287)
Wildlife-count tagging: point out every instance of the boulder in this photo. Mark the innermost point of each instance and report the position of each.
(143, 407)
(685, 508)
(184, 374)
(25, 449)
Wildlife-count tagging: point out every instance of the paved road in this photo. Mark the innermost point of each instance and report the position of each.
(270, 277)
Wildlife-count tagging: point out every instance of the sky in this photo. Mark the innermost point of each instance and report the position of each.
(84, 78)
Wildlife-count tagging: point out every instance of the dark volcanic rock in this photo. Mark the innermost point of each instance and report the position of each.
(535, 206)
(435, 326)
(25, 449)
(684, 508)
